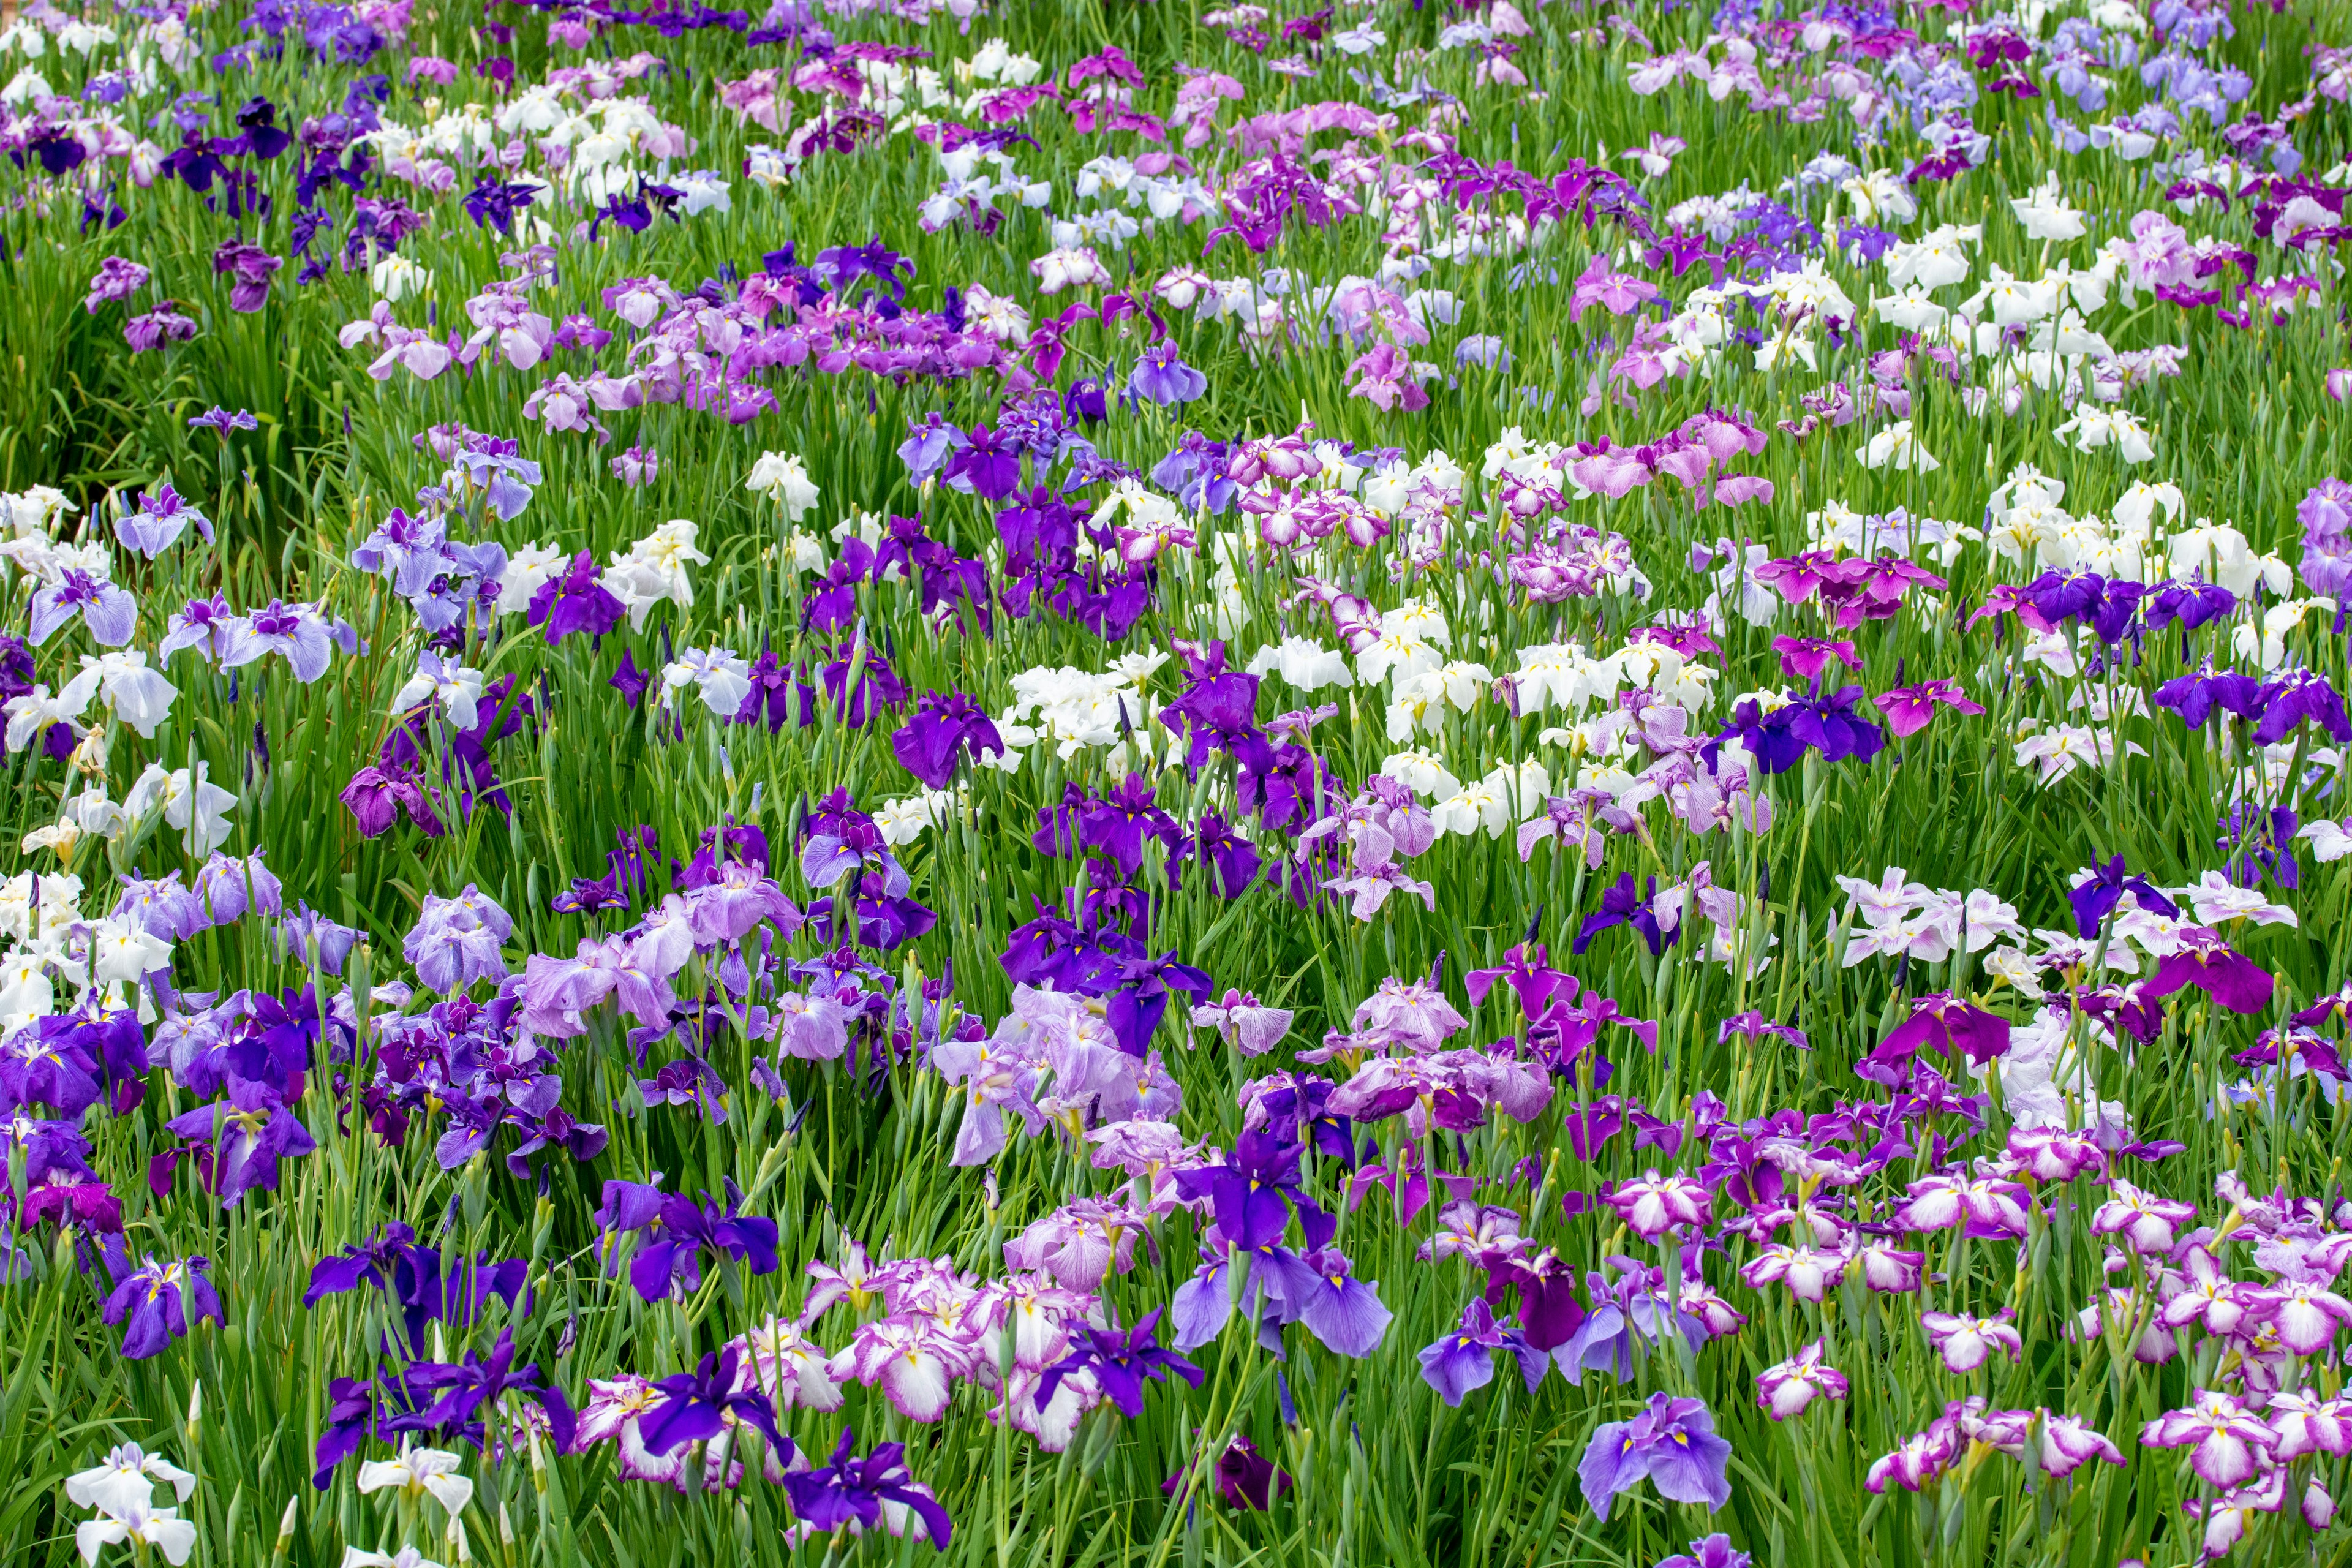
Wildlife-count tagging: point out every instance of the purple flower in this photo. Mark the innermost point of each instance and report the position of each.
(574, 600)
(377, 795)
(251, 266)
(1141, 999)
(945, 729)
(2194, 696)
(986, 466)
(1621, 904)
(297, 633)
(109, 612)
(705, 1402)
(1784, 1390)
(1713, 1551)
(2206, 960)
(155, 1303)
(2325, 513)
(460, 1389)
(2228, 1443)
(1121, 1365)
(2096, 896)
(163, 324)
(159, 521)
(1162, 378)
(220, 421)
(1908, 709)
(249, 1133)
(1672, 1442)
(929, 446)
(678, 1232)
(847, 1491)
(117, 279)
(2295, 697)
(1463, 1358)
(1343, 1312)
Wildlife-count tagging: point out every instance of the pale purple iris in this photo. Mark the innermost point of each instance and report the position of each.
(1164, 379)
(110, 613)
(1463, 1358)
(162, 517)
(299, 632)
(1672, 1442)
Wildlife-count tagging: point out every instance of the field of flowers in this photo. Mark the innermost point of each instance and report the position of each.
(1110, 782)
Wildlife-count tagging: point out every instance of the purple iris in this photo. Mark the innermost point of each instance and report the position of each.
(1623, 905)
(109, 612)
(1672, 1442)
(1163, 378)
(159, 521)
(1122, 1364)
(874, 260)
(377, 795)
(2191, 604)
(1463, 1359)
(1141, 999)
(1220, 714)
(2194, 696)
(461, 1390)
(2298, 696)
(251, 268)
(1235, 860)
(2095, 897)
(987, 465)
(847, 1491)
(249, 1133)
(574, 600)
(946, 728)
(928, 446)
(699, 1402)
(220, 421)
(2207, 961)
(155, 1303)
(678, 1232)
(298, 632)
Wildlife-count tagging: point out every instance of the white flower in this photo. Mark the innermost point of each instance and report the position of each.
(2267, 645)
(653, 570)
(139, 697)
(396, 278)
(120, 950)
(1895, 448)
(2045, 215)
(902, 822)
(2058, 752)
(527, 569)
(2216, 900)
(418, 1472)
(1068, 267)
(2095, 427)
(785, 479)
(189, 803)
(1395, 655)
(128, 1476)
(406, 1557)
(161, 1529)
(1421, 770)
(1303, 662)
(2330, 840)
(1878, 196)
(723, 680)
(452, 685)
(1911, 311)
